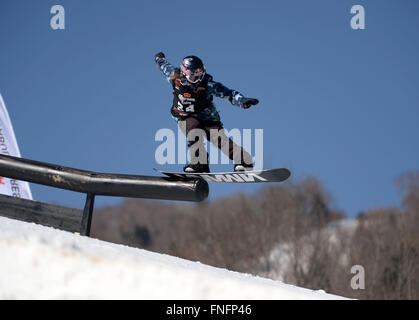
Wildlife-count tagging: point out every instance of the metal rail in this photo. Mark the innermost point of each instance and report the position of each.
(105, 184)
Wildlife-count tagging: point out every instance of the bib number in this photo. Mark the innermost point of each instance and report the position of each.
(189, 108)
(185, 104)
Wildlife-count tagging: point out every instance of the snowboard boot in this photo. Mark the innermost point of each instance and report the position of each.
(196, 168)
(241, 167)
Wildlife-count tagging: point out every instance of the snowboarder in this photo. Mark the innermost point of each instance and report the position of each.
(193, 91)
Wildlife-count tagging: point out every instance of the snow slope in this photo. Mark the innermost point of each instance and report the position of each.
(38, 262)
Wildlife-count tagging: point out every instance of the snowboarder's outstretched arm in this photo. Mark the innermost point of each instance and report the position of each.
(165, 66)
(232, 96)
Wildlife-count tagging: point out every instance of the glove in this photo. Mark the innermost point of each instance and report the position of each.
(159, 56)
(248, 102)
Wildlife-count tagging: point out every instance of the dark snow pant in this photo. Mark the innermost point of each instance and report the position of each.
(195, 130)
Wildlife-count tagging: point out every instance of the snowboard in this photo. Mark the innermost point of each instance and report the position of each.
(269, 175)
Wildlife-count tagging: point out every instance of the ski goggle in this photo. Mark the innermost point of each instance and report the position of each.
(193, 76)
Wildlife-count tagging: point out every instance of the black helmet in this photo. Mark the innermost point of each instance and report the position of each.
(193, 69)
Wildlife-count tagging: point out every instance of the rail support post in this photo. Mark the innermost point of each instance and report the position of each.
(86, 220)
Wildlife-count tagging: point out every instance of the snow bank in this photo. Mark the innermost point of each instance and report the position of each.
(38, 262)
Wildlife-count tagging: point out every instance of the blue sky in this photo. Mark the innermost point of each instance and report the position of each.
(335, 103)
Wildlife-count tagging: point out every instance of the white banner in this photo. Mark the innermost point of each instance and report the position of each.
(8, 146)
